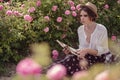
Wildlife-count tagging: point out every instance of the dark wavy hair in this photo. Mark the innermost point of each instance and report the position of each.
(90, 13)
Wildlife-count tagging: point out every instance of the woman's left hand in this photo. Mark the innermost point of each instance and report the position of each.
(82, 52)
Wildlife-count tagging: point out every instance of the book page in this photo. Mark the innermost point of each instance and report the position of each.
(72, 50)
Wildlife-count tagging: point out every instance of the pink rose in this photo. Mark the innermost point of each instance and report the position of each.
(16, 13)
(28, 18)
(55, 53)
(78, 7)
(1, 7)
(80, 74)
(102, 76)
(46, 29)
(28, 66)
(63, 36)
(72, 8)
(32, 9)
(106, 6)
(54, 57)
(1, 0)
(38, 3)
(9, 12)
(118, 1)
(113, 38)
(67, 12)
(59, 19)
(71, 3)
(74, 13)
(54, 8)
(47, 18)
(57, 72)
(22, 6)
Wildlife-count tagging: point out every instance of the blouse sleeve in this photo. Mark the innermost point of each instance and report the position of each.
(79, 31)
(102, 46)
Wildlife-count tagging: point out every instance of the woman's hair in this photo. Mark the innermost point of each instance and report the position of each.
(90, 13)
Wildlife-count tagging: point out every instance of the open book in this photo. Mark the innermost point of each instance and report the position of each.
(83, 62)
(72, 50)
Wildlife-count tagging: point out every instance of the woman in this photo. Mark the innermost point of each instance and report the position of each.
(93, 42)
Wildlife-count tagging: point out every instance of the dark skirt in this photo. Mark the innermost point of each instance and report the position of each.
(71, 62)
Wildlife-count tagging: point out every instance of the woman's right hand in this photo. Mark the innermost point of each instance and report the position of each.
(66, 50)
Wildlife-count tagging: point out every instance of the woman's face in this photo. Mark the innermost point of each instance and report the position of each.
(84, 18)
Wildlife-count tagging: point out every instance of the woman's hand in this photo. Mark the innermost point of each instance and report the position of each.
(82, 52)
(66, 50)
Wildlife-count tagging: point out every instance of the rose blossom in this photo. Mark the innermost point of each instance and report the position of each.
(16, 13)
(32, 9)
(72, 8)
(54, 57)
(54, 8)
(55, 53)
(78, 75)
(38, 3)
(113, 38)
(57, 72)
(59, 19)
(106, 6)
(103, 76)
(28, 18)
(46, 29)
(22, 6)
(118, 1)
(67, 12)
(9, 12)
(74, 13)
(1, 7)
(28, 66)
(47, 18)
(63, 36)
(1, 0)
(71, 3)
(78, 7)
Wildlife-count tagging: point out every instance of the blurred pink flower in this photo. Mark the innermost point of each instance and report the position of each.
(32, 9)
(54, 8)
(113, 38)
(54, 57)
(118, 1)
(67, 12)
(38, 3)
(78, 7)
(103, 76)
(47, 18)
(9, 12)
(55, 53)
(59, 19)
(1, 7)
(72, 8)
(74, 13)
(106, 6)
(28, 18)
(46, 29)
(1, 0)
(80, 74)
(28, 66)
(63, 36)
(16, 13)
(71, 3)
(22, 6)
(57, 72)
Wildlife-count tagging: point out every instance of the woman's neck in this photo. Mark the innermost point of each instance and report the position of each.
(90, 25)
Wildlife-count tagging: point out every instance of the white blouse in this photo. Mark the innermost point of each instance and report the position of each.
(98, 40)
